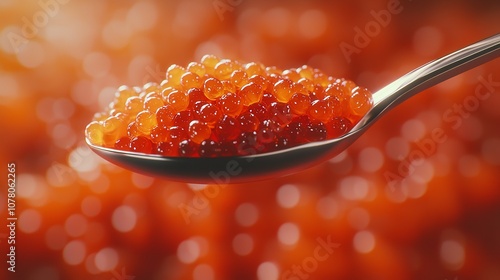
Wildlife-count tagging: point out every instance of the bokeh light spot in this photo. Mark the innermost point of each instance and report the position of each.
(267, 271)
(106, 259)
(243, 244)
(96, 64)
(32, 55)
(364, 242)
(29, 220)
(247, 214)
(452, 254)
(288, 234)
(358, 218)
(124, 218)
(91, 206)
(327, 207)
(76, 225)
(74, 252)
(371, 159)
(288, 196)
(188, 251)
(203, 272)
(354, 188)
(312, 24)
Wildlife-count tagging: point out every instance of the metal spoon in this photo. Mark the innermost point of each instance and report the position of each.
(259, 166)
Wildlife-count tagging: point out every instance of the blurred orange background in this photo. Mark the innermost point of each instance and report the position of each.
(80, 217)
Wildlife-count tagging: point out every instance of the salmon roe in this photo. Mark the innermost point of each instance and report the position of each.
(220, 107)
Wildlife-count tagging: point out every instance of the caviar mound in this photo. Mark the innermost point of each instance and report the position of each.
(220, 107)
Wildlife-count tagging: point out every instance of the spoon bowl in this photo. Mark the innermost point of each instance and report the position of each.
(226, 170)
(259, 166)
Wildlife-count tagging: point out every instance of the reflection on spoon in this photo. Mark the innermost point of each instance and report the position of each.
(259, 166)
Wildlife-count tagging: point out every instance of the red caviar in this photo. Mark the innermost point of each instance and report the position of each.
(221, 107)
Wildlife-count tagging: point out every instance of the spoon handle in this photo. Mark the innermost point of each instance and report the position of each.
(435, 72)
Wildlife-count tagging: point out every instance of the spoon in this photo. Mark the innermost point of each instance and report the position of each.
(259, 166)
